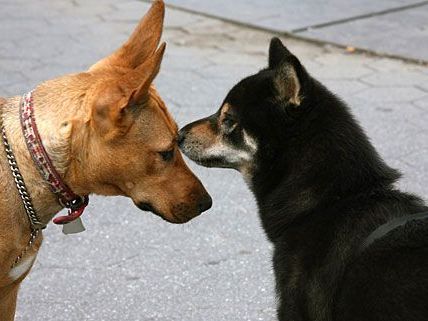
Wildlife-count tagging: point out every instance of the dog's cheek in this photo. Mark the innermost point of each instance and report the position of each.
(247, 168)
(250, 142)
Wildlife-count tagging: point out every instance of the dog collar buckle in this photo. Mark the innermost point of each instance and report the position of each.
(76, 207)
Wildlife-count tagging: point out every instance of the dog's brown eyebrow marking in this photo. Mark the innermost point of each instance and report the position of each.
(225, 108)
(225, 111)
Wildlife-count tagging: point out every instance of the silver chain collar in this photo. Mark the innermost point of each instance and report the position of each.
(33, 236)
(36, 224)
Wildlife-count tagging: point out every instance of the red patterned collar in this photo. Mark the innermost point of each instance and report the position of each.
(76, 204)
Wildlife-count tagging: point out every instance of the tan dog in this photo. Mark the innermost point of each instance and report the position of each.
(107, 132)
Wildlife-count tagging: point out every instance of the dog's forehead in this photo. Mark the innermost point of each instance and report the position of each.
(156, 124)
(251, 88)
(155, 131)
(161, 108)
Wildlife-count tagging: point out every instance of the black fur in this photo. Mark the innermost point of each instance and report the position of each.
(322, 189)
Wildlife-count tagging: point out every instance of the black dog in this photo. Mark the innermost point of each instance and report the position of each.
(322, 191)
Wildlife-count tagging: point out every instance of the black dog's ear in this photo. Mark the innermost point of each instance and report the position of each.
(286, 81)
(287, 85)
(278, 53)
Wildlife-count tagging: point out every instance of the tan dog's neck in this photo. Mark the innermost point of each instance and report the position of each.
(56, 143)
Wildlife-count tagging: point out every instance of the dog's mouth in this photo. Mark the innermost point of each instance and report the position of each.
(197, 155)
(146, 207)
(201, 158)
(216, 162)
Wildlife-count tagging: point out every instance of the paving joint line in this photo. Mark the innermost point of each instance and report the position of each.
(360, 17)
(296, 36)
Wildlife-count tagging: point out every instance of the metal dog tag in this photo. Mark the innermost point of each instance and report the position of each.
(73, 227)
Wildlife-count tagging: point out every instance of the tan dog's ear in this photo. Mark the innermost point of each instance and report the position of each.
(117, 105)
(140, 79)
(141, 44)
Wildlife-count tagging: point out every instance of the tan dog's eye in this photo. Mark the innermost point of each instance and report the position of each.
(167, 155)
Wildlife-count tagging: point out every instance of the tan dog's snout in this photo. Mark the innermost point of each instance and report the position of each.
(181, 199)
(188, 197)
(193, 203)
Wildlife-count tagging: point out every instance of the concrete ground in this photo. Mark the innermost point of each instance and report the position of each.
(130, 265)
(394, 27)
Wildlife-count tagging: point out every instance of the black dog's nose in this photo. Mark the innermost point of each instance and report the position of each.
(205, 204)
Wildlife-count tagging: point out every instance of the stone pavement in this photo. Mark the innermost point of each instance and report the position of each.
(130, 265)
(393, 27)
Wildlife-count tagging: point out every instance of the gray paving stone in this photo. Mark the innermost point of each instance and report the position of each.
(88, 9)
(422, 103)
(396, 79)
(330, 72)
(46, 72)
(12, 65)
(403, 33)
(387, 65)
(177, 19)
(237, 59)
(399, 33)
(411, 181)
(391, 94)
(126, 11)
(418, 160)
(290, 15)
(344, 88)
(32, 12)
(391, 126)
(12, 78)
(15, 89)
(47, 47)
(175, 60)
(20, 30)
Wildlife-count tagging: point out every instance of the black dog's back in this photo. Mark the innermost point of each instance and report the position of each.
(323, 272)
(388, 280)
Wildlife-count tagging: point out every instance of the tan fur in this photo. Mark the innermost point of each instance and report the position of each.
(103, 129)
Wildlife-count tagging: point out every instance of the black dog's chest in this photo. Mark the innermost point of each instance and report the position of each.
(308, 267)
(305, 292)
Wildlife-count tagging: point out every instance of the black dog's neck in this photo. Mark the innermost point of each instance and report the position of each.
(318, 167)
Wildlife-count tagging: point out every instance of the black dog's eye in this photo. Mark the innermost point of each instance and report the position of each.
(167, 155)
(229, 124)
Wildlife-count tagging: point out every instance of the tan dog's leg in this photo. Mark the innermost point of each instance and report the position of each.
(8, 297)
